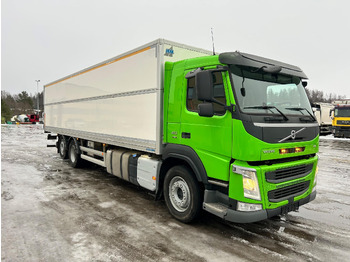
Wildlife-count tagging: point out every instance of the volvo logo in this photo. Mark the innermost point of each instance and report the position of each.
(293, 135)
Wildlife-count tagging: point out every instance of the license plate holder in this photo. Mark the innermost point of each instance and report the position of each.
(289, 208)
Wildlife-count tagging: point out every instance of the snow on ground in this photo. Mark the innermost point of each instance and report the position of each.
(331, 137)
(52, 212)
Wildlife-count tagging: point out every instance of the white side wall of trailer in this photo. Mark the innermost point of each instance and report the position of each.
(128, 74)
(118, 101)
(325, 110)
(322, 113)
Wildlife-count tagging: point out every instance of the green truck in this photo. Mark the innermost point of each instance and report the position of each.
(232, 134)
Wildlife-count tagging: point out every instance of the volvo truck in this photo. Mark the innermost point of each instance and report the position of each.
(231, 133)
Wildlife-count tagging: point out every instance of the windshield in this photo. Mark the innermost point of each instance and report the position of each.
(342, 112)
(263, 93)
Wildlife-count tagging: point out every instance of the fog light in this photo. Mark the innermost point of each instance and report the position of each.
(246, 207)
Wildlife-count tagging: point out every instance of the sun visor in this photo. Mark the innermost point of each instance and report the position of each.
(247, 60)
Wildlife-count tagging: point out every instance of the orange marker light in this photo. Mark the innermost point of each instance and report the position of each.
(291, 150)
(153, 177)
(299, 149)
(283, 151)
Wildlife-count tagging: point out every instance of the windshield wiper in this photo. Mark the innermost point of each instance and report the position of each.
(301, 109)
(267, 107)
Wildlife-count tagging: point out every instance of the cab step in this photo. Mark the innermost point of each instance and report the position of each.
(217, 209)
(216, 203)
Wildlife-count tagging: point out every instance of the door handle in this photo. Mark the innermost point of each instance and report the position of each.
(186, 135)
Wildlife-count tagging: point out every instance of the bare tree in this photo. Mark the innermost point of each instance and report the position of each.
(315, 96)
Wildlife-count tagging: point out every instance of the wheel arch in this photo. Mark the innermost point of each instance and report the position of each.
(181, 155)
(166, 165)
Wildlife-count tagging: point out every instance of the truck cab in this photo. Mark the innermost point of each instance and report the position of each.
(245, 125)
(33, 118)
(341, 119)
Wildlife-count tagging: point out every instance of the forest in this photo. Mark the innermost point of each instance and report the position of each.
(315, 95)
(24, 103)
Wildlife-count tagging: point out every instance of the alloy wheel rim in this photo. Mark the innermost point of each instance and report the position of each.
(179, 194)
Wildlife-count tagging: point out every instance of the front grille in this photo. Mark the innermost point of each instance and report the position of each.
(343, 122)
(285, 174)
(287, 192)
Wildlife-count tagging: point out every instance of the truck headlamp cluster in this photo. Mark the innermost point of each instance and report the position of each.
(250, 182)
(291, 150)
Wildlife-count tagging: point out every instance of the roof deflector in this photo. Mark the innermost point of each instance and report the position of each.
(242, 59)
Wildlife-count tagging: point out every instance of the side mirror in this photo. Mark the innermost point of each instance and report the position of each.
(304, 83)
(204, 86)
(206, 110)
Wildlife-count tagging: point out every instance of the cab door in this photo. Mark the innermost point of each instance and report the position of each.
(210, 137)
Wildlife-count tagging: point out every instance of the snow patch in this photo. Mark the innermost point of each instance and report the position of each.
(107, 204)
(331, 137)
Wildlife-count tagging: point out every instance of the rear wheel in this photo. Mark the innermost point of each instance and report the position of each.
(74, 155)
(63, 147)
(182, 194)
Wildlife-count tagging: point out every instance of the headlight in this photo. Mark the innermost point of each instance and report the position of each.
(250, 182)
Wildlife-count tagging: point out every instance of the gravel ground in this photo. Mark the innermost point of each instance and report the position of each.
(52, 212)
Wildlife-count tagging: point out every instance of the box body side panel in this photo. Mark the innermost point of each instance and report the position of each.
(132, 73)
(117, 100)
(120, 99)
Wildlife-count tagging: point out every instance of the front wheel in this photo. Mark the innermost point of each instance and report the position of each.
(182, 194)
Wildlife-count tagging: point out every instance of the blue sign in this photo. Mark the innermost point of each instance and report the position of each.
(169, 52)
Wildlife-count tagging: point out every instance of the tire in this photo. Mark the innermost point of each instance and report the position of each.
(182, 194)
(63, 147)
(74, 155)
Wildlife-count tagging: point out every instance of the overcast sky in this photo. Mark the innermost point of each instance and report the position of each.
(49, 39)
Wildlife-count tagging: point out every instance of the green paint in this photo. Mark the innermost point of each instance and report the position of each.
(221, 140)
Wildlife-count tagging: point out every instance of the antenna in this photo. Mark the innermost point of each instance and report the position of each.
(212, 39)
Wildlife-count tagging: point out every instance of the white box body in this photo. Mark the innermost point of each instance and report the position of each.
(322, 113)
(119, 101)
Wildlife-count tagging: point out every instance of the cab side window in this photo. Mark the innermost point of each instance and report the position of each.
(219, 94)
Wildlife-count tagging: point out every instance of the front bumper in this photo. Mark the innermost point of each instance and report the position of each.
(250, 217)
(283, 188)
(341, 131)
